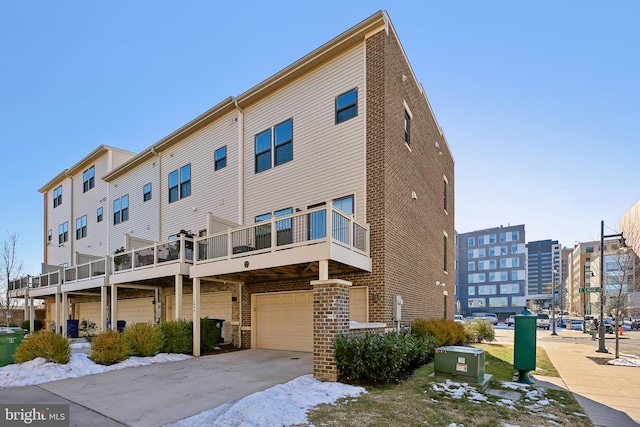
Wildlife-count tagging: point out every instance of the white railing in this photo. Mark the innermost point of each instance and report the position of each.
(19, 283)
(293, 230)
(87, 270)
(47, 279)
(154, 255)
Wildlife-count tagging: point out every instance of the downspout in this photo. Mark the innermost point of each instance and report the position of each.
(159, 198)
(239, 343)
(71, 225)
(240, 163)
(46, 232)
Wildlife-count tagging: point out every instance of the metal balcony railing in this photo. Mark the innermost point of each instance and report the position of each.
(87, 270)
(19, 283)
(171, 251)
(47, 279)
(293, 230)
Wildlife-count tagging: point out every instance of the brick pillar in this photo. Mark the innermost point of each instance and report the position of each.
(330, 318)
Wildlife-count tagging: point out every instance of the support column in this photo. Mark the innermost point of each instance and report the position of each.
(104, 308)
(56, 319)
(114, 307)
(32, 315)
(65, 313)
(323, 269)
(178, 298)
(196, 316)
(330, 319)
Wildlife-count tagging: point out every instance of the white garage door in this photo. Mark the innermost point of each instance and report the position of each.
(216, 305)
(284, 321)
(89, 311)
(138, 310)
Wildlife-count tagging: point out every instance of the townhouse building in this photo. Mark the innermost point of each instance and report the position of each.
(492, 275)
(317, 202)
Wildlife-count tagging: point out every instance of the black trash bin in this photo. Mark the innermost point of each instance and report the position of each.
(216, 326)
(72, 328)
(120, 325)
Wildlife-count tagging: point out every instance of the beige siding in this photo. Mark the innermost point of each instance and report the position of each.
(211, 191)
(59, 254)
(319, 145)
(118, 157)
(87, 204)
(143, 216)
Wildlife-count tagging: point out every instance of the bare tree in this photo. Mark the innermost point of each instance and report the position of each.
(11, 268)
(619, 281)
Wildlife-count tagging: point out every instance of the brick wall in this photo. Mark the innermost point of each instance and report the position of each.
(330, 319)
(406, 235)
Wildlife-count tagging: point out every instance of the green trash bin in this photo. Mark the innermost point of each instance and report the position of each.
(8, 343)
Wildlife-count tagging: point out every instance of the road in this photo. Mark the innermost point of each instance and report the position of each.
(629, 340)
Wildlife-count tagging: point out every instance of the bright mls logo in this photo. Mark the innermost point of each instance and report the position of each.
(35, 415)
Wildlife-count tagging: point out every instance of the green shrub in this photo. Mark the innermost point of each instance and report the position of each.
(53, 347)
(445, 332)
(144, 339)
(37, 325)
(479, 330)
(380, 357)
(178, 336)
(109, 348)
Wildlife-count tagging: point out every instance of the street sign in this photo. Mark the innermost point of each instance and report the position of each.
(583, 290)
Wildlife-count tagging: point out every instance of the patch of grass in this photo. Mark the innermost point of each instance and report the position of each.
(499, 361)
(416, 402)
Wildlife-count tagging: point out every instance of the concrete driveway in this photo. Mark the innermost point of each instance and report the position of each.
(159, 394)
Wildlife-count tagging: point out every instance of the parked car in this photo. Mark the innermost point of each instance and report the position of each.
(543, 321)
(458, 318)
(635, 324)
(492, 318)
(576, 325)
(511, 320)
(469, 319)
(562, 323)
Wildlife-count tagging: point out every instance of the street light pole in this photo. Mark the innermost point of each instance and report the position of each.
(601, 329)
(553, 300)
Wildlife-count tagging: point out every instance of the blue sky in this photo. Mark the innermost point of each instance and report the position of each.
(538, 99)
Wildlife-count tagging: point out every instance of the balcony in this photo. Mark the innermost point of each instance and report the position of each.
(296, 238)
(19, 287)
(88, 275)
(46, 284)
(158, 260)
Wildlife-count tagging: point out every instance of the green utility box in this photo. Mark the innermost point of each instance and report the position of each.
(460, 363)
(524, 345)
(8, 344)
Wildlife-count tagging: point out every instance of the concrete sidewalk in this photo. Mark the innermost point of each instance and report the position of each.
(608, 394)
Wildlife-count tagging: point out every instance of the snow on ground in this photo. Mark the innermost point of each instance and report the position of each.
(283, 404)
(39, 371)
(625, 362)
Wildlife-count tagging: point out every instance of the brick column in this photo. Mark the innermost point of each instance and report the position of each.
(330, 318)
